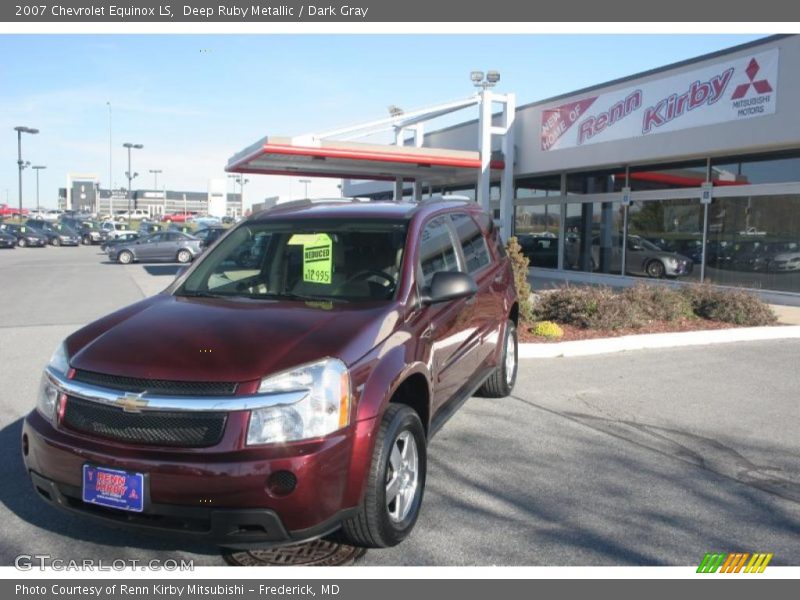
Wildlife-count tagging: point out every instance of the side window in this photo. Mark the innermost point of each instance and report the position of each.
(473, 244)
(436, 251)
(156, 238)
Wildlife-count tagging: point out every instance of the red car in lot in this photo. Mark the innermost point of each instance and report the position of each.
(278, 399)
(177, 217)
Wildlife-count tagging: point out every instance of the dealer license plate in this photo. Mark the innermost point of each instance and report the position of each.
(113, 488)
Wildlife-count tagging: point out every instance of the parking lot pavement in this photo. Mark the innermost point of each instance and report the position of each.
(645, 458)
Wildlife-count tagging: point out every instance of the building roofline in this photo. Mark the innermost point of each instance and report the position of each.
(675, 65)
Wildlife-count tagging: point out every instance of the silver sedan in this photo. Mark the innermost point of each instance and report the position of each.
(168, 246)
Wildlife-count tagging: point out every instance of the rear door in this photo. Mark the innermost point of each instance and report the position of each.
(485, 309)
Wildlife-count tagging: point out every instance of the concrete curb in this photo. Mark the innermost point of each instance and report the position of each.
(657, 340)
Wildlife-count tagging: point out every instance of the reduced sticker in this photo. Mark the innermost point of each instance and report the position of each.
(317, 257)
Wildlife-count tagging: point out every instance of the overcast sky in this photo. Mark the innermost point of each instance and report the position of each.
(194, 100)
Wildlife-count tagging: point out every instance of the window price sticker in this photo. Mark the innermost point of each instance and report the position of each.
(317, 257)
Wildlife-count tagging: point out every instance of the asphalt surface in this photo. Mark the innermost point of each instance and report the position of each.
(645, 458)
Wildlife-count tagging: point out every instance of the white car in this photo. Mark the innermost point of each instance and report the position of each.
(785, 261)
(113, 229)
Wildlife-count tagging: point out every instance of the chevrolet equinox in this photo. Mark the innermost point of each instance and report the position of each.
(287, 384)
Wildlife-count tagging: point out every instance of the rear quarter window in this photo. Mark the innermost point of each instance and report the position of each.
(473, 243)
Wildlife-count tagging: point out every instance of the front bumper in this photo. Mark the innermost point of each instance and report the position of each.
(217, 494)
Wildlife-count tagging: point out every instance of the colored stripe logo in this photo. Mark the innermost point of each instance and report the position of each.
(734, 562)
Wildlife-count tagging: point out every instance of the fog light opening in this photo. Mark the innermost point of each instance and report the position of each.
(281, 483)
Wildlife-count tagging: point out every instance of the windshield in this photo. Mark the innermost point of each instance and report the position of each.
(302, 260)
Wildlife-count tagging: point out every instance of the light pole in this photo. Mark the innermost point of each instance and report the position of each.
(241, 181)
(20, 130)
(130, 175)
(110, 169)
(155, 173)
(38, 168)
(305, 183)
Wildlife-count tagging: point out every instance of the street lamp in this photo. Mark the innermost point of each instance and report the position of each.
(242, 182)
(20, 163)
(38, 168)
(305, 182)
(488, 80)
(130, 175)
(155, 173)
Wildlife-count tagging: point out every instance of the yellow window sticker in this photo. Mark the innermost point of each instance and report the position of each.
(317, 257)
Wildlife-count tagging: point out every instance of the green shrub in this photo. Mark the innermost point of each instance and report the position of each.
(520, 264)
(547, 329)
(658, 302)
(589, 308)
(729, 306)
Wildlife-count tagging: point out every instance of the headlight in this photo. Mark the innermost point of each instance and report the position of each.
(48, 393)
(324, 409)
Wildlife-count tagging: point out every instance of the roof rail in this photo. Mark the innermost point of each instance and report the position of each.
(446, 198)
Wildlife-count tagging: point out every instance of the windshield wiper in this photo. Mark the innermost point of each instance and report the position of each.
(200, 294)
(302, 297)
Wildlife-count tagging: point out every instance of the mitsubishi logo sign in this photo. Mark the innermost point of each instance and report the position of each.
(761, 86)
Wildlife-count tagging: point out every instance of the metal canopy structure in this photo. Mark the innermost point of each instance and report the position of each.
(334, 154)
(354, 160)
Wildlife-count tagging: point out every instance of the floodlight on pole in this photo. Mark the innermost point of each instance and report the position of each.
(20, 163)
(305, 182)
(395, 111)
(131, 176)
(485, 81)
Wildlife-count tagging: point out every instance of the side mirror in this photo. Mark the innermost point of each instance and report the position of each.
(447, 285)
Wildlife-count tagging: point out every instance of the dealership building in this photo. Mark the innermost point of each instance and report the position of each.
(689, 171)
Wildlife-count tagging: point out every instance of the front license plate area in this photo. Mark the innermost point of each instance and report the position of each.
(113, 488)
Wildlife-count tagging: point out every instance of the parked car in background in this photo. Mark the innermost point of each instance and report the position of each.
(201, 222)
(89, 231)
(162, 246)
(642, 257)
(541, 250)
(7, 240)
(182, 228)
(58, 234)
(113, 229)
(10, 211)
(176, 217)
(148, 227)
(122, 238)
(25, 236)
(210, 235)
(785, 261)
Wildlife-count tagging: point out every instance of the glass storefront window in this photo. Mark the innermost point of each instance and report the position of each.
(758, 169)
(593, 237)
(537, 229)
(754, 242)
(665, 239)
(596, 182)
(536, 187)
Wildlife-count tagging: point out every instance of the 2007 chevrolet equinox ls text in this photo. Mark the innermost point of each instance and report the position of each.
(287, 384)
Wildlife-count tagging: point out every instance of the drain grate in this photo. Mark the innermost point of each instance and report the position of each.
(316, 553)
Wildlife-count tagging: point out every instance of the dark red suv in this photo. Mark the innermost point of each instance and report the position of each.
(287, 384)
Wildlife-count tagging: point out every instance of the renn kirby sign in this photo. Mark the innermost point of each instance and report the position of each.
(741, 88)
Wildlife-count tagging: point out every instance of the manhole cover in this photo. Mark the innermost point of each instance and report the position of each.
(316, 553)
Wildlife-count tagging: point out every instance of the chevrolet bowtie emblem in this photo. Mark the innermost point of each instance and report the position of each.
(131, 402)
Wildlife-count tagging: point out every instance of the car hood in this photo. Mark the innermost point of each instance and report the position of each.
(235, 340)
(786, 256)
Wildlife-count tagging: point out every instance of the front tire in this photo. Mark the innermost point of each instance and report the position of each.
(184, 256)
(86, 240)
(56, 242)
(656, 269)
(501, 382)
(395, 482)
(21, 242)
(125, 257)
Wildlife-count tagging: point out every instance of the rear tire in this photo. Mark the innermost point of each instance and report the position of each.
(56, 242)
(399, 463)
(501, 382)
(125, 257)
(21, 242)
(86, 240)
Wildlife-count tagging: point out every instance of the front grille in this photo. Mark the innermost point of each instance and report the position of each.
(153, 386)
(153, 428)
